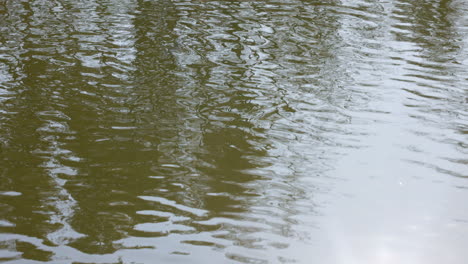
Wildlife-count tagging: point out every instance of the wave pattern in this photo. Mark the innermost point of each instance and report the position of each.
(232, 131)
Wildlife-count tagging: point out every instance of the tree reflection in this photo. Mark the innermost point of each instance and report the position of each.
(34, 127)
(130, 110)
(432, 78)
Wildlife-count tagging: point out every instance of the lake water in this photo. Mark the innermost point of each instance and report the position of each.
(284, 131)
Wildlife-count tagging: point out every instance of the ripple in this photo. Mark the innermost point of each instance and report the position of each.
(4, 223)
(164, 227)
(10, 193)
(233, 131)
(227, 221)
(170, 203)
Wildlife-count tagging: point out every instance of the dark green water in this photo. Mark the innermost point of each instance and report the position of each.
(283, 131)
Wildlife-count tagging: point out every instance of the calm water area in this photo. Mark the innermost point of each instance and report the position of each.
(198, 131)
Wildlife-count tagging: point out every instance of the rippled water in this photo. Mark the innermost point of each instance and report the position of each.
(163, 131)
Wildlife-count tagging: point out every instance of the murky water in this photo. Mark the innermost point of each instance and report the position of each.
(283, 131)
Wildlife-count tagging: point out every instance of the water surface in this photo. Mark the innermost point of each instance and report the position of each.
(182, 131)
